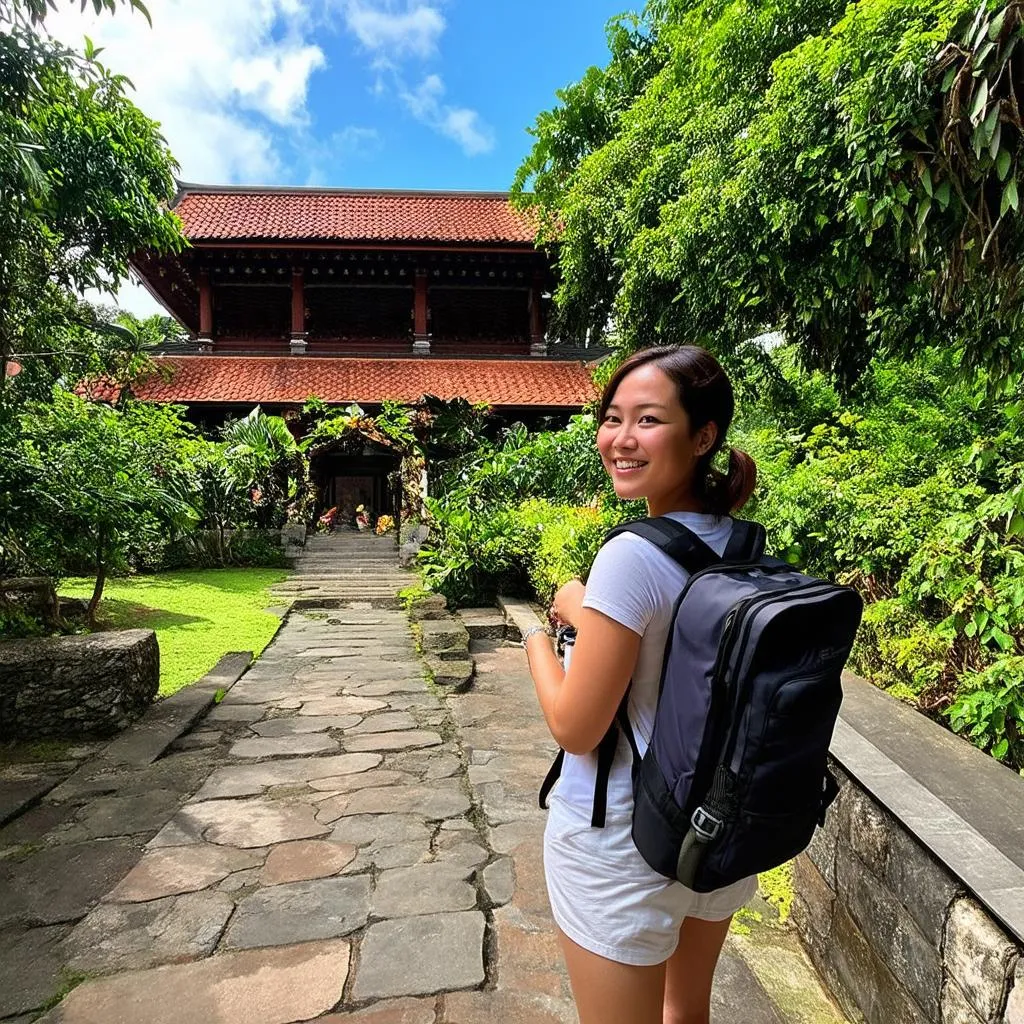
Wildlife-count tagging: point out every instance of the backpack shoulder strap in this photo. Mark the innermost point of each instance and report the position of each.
(551, 778)
(746, 542)
(676, 540)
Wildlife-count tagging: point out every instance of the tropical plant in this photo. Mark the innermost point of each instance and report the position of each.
(847, 174)
(85, 182)
(100, 484)
(265, 458)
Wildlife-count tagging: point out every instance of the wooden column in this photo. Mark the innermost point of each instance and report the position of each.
(298, 339)
(205, 312)
(420, 337)
(538, 344)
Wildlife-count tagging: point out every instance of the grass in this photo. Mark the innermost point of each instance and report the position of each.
(198, 615)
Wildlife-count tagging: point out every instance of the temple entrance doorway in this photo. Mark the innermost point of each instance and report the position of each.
(345, 482)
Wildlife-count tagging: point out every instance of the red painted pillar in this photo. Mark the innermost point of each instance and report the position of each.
(205, 312)
(420, 339)
(298, 338)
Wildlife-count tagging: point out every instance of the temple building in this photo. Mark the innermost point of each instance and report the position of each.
(358, 296)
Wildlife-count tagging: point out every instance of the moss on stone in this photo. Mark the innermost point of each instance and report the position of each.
(776, 887)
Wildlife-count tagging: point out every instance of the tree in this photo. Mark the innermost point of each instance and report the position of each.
(85, 181)
(99, 483)
(846, 174)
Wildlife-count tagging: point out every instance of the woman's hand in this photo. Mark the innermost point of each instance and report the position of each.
(568, 603)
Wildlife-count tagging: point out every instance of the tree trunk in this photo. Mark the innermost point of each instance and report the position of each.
(97, 593)
(97, 590)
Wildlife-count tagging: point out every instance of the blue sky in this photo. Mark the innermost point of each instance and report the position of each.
(375, 93)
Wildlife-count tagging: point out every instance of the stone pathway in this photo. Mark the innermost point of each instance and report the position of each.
(336, 840)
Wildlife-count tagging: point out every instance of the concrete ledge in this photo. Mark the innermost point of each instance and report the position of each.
(519, 616)
(170, 718)
(958, 802)
(158, 728)
(910, 899)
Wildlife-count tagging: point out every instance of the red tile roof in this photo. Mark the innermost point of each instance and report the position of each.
(292, 379)
(348, 215)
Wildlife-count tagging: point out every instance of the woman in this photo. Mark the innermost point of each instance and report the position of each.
(640, 948)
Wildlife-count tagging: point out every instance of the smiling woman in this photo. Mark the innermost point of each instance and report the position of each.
(198, 616)
(638, 946)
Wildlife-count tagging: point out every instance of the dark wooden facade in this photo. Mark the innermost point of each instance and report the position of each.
(267, 300)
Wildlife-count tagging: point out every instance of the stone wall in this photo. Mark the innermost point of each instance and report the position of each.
(895, 935)
(72, 686)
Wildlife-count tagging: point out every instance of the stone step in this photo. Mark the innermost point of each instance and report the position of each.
(345, 579)
(340, 583)
(352, 593)
(452, 675)
(519, 616)
(443, 635)
(483, 623)
(342, 570)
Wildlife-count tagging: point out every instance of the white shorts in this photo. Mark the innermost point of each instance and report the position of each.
(607, 899)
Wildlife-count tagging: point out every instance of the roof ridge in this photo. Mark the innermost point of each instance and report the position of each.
(197, 188)
(419, 360)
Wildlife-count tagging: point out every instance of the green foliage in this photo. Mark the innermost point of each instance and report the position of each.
(17, 623)
(97, 476)
(559, 542)
(913, 494)
(845, 173)
(562, 465)
(531, 549)
(264, 459)
(85, 182)
(481, 544)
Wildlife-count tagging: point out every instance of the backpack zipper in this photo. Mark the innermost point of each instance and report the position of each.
(805, 590)
(718, 567)
(742, 614)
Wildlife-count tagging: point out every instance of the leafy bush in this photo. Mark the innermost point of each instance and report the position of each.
(912, 492)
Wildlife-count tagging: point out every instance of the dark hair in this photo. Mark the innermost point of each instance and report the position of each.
(706, 394)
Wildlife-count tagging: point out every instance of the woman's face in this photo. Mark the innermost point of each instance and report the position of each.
(646, 444)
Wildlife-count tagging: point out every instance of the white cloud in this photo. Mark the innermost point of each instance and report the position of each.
(223, 77)
(396, 33)
(459, 123)
(226, 79)
(275, 85)
(391, 34)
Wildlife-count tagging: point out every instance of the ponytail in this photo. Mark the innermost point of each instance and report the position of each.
(722, 493)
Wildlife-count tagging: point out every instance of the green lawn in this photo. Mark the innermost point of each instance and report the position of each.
(198, 615)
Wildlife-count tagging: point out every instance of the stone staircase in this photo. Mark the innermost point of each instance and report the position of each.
(336, 568)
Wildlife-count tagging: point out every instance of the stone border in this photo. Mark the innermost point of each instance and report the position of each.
(163, 723)
(993, 877)
(520, 616)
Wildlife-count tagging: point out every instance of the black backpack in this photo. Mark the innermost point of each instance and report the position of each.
(735, 778)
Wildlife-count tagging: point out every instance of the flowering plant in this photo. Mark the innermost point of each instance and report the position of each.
(362, 517)
(384, 525)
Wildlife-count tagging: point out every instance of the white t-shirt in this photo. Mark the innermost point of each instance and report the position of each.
(637, 585)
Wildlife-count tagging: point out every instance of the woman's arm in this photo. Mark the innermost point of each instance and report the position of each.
(579, 705)
(568, 602)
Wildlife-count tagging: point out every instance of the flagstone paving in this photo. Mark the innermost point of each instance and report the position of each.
(348, 844)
